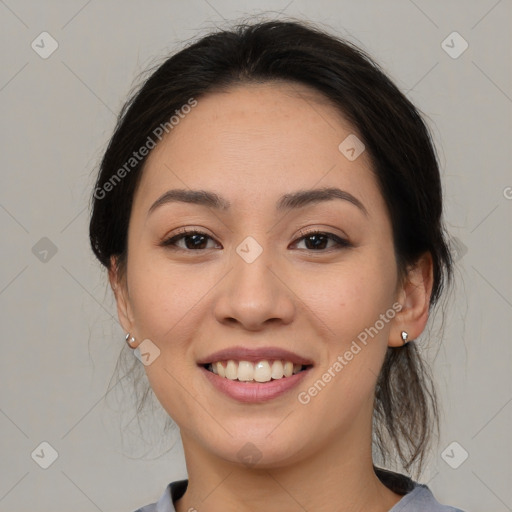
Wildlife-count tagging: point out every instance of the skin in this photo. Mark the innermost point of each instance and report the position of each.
(252, 144)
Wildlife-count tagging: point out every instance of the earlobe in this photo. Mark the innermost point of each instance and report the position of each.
(414, 297)
(118, 286)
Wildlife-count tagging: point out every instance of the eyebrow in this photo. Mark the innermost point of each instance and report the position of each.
(298, 199)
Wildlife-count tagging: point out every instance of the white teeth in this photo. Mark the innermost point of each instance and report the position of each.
(231, 370)
(245, 371)
(220, 369)
(262, 371)
(277, 370)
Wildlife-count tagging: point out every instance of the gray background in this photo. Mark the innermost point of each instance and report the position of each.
(60, 335)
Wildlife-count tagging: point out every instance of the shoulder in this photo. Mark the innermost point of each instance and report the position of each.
(421, 499)
(416, 497)
(173, 492)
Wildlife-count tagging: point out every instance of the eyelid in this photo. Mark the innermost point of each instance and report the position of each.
(170, 240)
(341, 242)
(303, 232)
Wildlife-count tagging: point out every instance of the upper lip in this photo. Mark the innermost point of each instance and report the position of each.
(254, 355)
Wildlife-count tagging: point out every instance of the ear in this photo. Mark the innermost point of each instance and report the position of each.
(120, 289)
(414, 297)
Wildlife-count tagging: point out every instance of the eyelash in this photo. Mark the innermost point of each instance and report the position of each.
(341, 243)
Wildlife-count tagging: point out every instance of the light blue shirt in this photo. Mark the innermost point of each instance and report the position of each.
(416, 497)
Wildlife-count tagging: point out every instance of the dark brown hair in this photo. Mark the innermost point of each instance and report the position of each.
(396, 138)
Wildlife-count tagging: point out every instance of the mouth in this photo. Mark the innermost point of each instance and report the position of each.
(261, 371)
(253, 375)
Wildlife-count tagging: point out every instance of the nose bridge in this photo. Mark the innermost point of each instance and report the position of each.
(252, 294)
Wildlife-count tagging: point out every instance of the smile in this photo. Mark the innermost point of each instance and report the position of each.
(250, 390)
(261, 371)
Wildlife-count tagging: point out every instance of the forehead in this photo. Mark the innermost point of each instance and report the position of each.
(258, 140)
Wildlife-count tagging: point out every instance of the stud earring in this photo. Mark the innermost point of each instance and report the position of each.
(129, 340)
(404, 336)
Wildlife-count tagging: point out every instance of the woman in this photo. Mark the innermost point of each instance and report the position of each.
(269, 210)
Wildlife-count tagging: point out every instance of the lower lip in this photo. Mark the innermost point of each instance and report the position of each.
(251, 392)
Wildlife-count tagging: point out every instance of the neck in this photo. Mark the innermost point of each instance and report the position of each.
(339, 477)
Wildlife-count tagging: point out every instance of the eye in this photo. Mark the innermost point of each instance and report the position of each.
(318, 240)
(194, 240)
(189, 240)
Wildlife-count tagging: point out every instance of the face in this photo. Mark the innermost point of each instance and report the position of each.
(263, 276)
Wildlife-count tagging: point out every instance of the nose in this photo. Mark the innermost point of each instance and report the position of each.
(254, 295)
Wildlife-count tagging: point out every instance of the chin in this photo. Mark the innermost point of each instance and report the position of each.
(259, 450)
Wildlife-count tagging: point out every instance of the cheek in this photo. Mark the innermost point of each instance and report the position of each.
(352, 305)
(354, 348)
(350, 297)
(154, 309)
(162, 294)
(166, 307)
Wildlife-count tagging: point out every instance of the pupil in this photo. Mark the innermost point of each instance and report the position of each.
(318, 243)
(197, 241)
